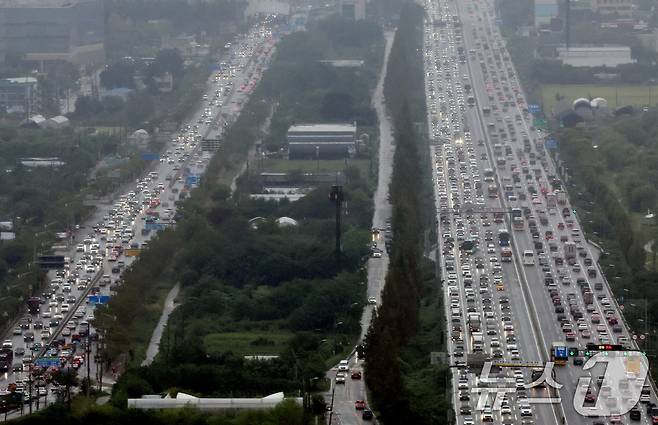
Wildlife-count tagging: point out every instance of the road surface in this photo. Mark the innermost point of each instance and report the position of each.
(491, 166)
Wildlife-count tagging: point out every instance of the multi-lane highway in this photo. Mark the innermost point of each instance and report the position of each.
(57, 327)
(518, 273)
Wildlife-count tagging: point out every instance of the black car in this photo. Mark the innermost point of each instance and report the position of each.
(635, 414)
(366, 414)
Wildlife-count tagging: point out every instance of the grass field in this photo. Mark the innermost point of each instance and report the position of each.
(247, 343)
(616, 95)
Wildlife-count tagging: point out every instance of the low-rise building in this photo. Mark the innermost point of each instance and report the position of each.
(593, 56)
(208, 404)
(321, 141)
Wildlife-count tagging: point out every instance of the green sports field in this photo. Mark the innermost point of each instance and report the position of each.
(616, 95)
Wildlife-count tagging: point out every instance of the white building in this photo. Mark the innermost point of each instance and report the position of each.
(59, 121)
(184, 400)
(610, 56)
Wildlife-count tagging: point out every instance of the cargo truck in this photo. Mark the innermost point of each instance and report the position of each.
(474, 322)
(570, 252)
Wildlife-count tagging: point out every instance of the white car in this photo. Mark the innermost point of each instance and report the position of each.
(372, 300)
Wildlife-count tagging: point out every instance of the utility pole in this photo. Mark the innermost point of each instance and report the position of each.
(337, 197)
(29, 383)
(88, 352)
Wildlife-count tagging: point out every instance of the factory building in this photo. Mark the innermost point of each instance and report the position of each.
(321, 141)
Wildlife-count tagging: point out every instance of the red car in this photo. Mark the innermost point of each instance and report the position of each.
(359, 405)
(356, 375)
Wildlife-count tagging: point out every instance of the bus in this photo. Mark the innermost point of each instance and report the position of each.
(559, 353)
(503, 237)
(528, 257)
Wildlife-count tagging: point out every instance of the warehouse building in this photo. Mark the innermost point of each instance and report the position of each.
(610, 56)
(53, 30)
(321, 141)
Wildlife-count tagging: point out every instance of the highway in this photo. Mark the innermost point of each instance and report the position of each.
(493, 174)
(97, 256)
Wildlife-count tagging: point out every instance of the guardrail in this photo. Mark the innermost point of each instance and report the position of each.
(71, 312)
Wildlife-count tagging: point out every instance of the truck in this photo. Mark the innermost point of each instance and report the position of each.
(478, 340)
(474, 322)
(518, 223)
(561, 197)
(588, 297)
(570, 252)
(551, 201)
(33, 305)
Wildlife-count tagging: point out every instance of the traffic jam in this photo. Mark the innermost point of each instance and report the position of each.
(521, 283)
(56, 333)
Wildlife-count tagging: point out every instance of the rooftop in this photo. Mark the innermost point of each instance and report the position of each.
(592, 47)
(323, 128)
(37, 4)
(20, 80)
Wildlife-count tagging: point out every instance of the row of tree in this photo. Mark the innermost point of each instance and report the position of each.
(287, 413)
(393, 351)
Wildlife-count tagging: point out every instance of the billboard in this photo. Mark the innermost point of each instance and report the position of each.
(99, 299)
(150, 156)
(51, 261)
(131, 252)
(48, 362)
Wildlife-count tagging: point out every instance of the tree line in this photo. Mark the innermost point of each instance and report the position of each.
(398, 343)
